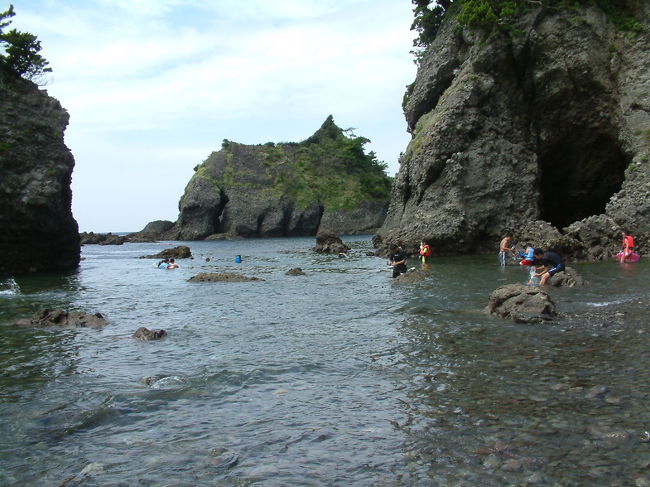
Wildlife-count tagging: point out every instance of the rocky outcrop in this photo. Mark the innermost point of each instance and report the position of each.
(91, 238)
(63, 319)
(551, 123)
(328, 243)
(38, 231)
(152, 231)
(179, 252)
(287, 189)
(521, 304)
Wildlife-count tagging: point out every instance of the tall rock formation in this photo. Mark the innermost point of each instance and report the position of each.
(37, 229)
(287, 189)
(548, 121)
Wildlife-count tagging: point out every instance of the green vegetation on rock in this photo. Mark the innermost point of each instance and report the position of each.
(501, 15)
(19, 52)
(330, 168)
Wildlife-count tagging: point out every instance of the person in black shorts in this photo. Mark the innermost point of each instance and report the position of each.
(550, 262)
(397, 259)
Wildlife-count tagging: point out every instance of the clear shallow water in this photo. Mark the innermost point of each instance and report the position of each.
(339, 377)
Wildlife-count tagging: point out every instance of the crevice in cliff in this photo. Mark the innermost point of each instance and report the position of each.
(218, 222)
(577, 180)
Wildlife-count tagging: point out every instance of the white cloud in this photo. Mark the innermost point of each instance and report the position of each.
(153, 87)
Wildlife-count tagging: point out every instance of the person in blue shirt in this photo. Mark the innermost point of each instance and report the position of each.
(550, 264)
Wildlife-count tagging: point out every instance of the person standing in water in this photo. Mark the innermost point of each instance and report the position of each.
(505, 250)
(397, 260)
(425, 251)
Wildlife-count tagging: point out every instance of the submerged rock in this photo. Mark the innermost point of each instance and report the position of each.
(222, 277)
(145, 334)
(297, 271)
(522, 304)
(64, 319)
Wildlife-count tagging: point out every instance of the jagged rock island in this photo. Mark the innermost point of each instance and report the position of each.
(284, 189)
(540, 114)
(37, 229)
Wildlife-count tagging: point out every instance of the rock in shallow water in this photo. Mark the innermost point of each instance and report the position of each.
(64, 319)
(522, 304)
(145, 334)
(222, 277)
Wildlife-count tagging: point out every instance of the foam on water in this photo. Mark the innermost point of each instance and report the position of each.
(9, 287)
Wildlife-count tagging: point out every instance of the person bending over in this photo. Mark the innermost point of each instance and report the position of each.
(550, 262)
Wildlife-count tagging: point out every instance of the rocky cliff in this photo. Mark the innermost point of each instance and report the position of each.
(286, 189)
(37, 229)
(549, 120)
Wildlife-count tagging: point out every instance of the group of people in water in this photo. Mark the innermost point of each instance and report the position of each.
(542, 264)
(167, 264)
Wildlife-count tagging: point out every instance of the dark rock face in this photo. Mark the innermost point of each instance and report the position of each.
(222, 277)
(64, 319)
(328, 243)
(548, 125)
(38, 231)
(90, 238)
(152, 231)
(145, 334)
(522, 304)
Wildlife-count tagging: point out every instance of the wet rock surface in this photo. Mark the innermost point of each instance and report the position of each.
(145, 334)
(522, 304)
(63, 319)
(222, 277)
(569, 277)
(411, 276)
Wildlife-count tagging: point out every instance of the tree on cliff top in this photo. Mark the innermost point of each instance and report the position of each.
(500, 14)
(19, 52)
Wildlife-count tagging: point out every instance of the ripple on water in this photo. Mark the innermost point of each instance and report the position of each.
(338, 377)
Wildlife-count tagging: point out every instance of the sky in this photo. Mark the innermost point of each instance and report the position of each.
(154, 86)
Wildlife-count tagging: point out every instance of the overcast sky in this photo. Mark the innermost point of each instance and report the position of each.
(154, 86)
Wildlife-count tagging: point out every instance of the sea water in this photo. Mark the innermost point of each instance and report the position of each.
(339, 377)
